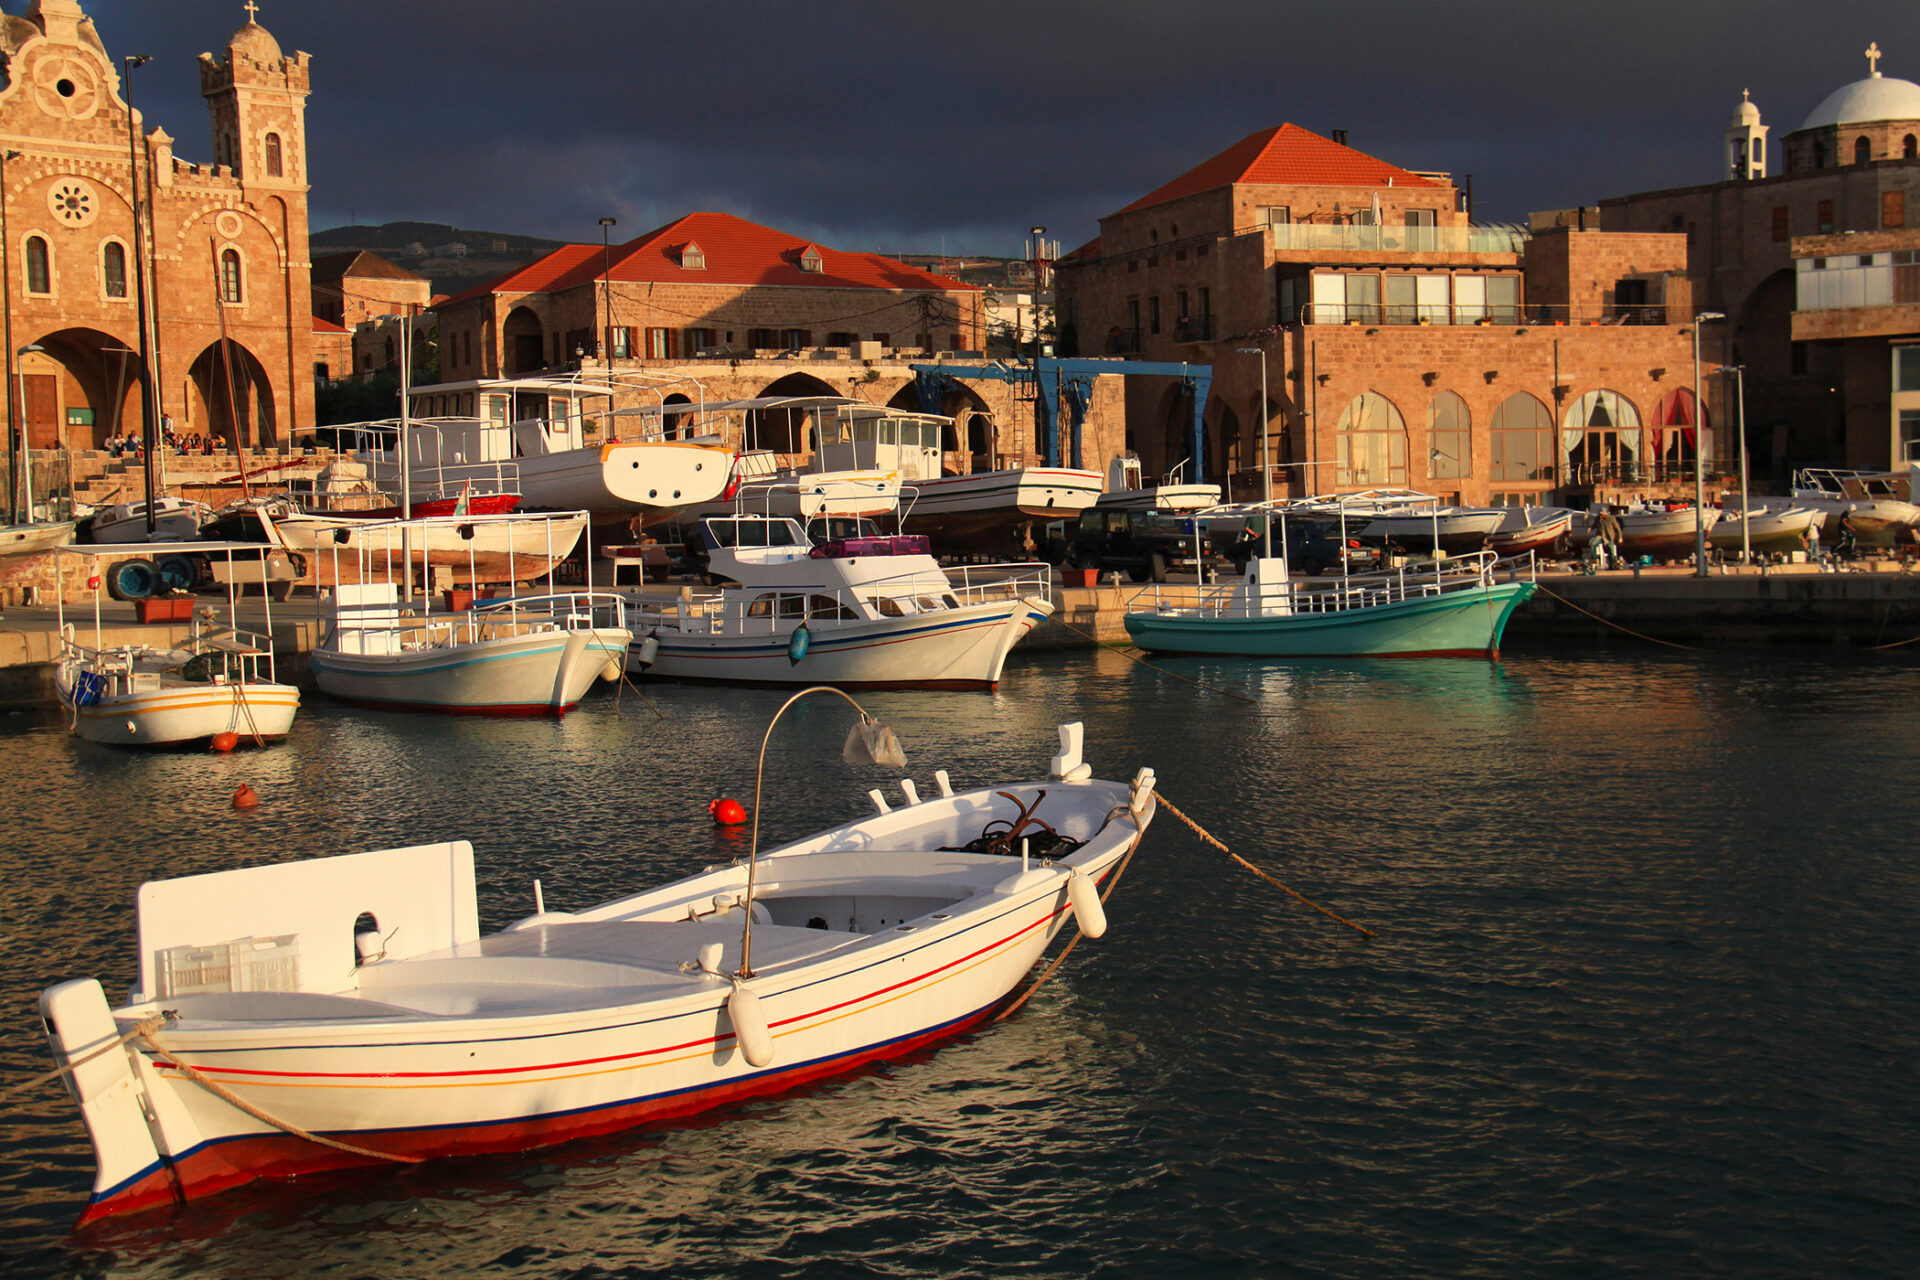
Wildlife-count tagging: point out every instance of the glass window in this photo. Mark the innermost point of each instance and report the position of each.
(762, 606)
(1909, 437)
(39, 269)
(1449, 437)
(1906, 365)
(1522, 439)
(1370, 443)
(1470, 298)
(1363, 299)
(1402, 304)
(230, 276)
(113, 269)
(1503, 299)
(273, 156)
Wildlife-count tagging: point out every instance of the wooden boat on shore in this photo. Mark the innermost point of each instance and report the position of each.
(174, 520)
(855, 612)
(1542, 531)
(347, 1011)
(30, 539)
(1881, 503)
(1767, 530)
(217, 681)
(985, 510)
(1451, 609)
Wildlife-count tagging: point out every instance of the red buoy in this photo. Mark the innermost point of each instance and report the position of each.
(223, 741)
(728, 813)
(245, 798)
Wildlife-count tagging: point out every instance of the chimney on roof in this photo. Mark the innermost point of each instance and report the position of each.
(1340, 136)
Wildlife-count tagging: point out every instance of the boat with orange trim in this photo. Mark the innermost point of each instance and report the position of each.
(348, 1011)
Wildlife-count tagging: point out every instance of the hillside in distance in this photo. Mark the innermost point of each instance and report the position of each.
(454, 258)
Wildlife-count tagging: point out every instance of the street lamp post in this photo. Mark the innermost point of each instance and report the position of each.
(1037, 233)
(1699, 456)
(1739, 373)
(147, 412)
(26, 449)
(1266, 433)
(606, 330)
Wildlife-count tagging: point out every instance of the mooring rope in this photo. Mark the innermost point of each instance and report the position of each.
(1204, 834)
(241, 1104)
(1112, 882)
(145, 1027)
(1112, 648)
(1544, 590)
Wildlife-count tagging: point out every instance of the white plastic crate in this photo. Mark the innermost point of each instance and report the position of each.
(244, 964)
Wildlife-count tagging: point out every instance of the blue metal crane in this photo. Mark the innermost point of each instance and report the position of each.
(1051, 377)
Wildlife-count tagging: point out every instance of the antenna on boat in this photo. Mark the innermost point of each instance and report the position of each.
(870, 743)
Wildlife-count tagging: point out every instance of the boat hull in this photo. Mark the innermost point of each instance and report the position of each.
(180, 715)
(1456, 532)
(540, 674)
(1459, 624)
(655, 478)
(502, 549)
(25, 539)
(954, 649)
(1766, 533)
(982, 511)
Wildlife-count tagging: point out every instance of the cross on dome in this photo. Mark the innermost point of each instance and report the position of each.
(253, 11)
(1873, 59)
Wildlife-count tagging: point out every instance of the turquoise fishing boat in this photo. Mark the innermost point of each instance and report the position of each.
(1455, 608)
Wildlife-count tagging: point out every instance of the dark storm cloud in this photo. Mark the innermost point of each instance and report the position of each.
(910, 126)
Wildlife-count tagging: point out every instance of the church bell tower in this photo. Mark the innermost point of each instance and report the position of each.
(258, 101)
(1746, 147)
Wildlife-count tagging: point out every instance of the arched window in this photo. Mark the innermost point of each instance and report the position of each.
(113, 269)
(39, 269)
(230, 276)
(274, 169)
(1909, 148)
(1671, 439)
(1862, 151)
(1522, 439)
(1600, 436)
(1370, 443)
(1449, 438)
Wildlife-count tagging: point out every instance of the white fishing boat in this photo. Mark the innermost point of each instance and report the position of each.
(348, 1011)
(992, 511)
(1663, 532)
(29, 539)
(860, 612)
(1766, 530)
(1880, 502)
(533, 654)
(1541, 531)
(1127, 489)
(862, 455)
(1415, 521)
(641, 466)
(517, 547)
(215, 682)
(174, 520)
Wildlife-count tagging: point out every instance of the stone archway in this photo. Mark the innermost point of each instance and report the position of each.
(523, 342)
(781, 429)
(80, 387)
(230, 397)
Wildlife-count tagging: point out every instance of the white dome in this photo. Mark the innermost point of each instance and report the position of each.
(1877, 97)
(1746, 113)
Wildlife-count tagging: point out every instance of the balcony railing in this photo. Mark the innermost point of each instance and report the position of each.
(1194, 328)
(1839, 288)
(1482, 313)
(1310, 237)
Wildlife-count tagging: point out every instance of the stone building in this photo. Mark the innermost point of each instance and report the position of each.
(712, 306)
(1819, 388)
(231, 339)
(1396, 344)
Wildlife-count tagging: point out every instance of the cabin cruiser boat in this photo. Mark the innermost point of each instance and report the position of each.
(867, 610)
(1881, 503)
(188, 691)
(412, 1035)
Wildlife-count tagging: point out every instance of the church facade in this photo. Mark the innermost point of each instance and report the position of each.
(98, 211)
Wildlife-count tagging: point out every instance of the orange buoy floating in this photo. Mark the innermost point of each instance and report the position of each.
(223, 741)
(728, 813)
(245, 798)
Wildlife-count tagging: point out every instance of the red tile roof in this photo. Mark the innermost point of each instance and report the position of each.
(737, 252)
(1286, 156)
(327, 326)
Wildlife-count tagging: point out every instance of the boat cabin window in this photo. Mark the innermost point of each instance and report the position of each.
(889, 430)
(751, 533)
(888, 607)
(828, 607)
(928, 604)
(762, 606)
(793, 606)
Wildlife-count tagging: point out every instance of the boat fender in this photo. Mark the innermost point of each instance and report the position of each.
(367, 948)
(710, 957)
(1087, 911)
(610, 672)
(244, 798)
(750, 1026)
(648, 652)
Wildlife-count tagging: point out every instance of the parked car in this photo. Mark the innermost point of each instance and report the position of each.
(1146, 544)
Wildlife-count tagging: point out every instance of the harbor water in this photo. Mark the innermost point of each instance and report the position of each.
(1642, 999)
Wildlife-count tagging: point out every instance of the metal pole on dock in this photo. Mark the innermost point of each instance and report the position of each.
(1699, 457)
(1266, 434)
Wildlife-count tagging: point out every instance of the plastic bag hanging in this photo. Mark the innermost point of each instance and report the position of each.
(870, 742)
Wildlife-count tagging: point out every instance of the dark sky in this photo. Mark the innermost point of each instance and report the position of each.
(905, 126)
